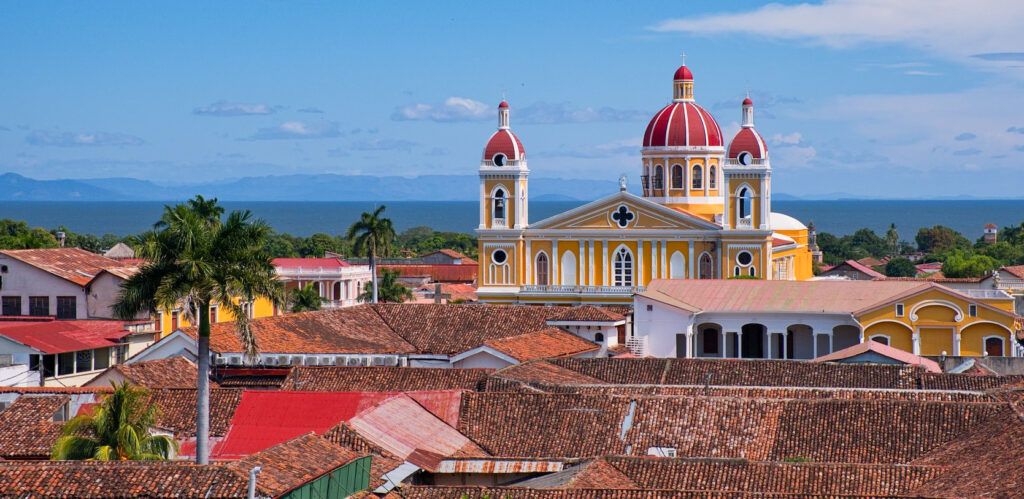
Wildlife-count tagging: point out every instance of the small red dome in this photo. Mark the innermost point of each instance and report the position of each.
(503, 104)
(748, 140)
(748, 102)
(683, 73)
(505, 142)
(683, 124)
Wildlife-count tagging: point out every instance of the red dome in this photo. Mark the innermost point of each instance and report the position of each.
(748, 140)
(683, 124)
(683, 73)
(504, 142)
(503, 104)
(748, 102)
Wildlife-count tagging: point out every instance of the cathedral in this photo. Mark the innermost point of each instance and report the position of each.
(705, 213)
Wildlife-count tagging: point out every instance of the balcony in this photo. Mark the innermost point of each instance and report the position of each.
(327, 304)
(618, 291)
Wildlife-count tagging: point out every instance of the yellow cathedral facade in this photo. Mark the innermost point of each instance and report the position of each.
(705, 213)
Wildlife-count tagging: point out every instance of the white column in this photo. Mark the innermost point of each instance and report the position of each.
(785, 344)
(638, 278)
(830, 347)
(689, 341)
(605, 269)
(956, 342)
(528, 264)
(590, 262)
(723, 335)
(483, 203)
(917, 342)
(689, 260)
(664, 267)
(556, 277)
(582, 267)
(654, 260)
(814, 344)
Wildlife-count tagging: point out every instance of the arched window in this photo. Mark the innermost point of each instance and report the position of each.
(677, 176)
(498, 271)
(659, 176)
(542, 269)
(623, 270)
(994, 346)
(698, 177)
(880, 338)
(736, 270)
(743, 203)
(337, 292)
(707, 270)
(598, 337)
(712, 178)
(499, 205)
(710, 340)
(568, 268)
(677, 266)
(645, 179)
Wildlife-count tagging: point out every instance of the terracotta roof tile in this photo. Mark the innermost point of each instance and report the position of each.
(841, 431)
(293, 463)
(470, 492)
(72, 264)
(178, 410)
(1014, 270)
(755, 477)
(545, 343)
(435, 272)
(119, 479)
(28, 427)
(352, 379)
(345, 330)
(884, 350)
(172, 372)
(588, 313)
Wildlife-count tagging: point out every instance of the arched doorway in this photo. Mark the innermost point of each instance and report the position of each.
(753, 341)
(709, 340)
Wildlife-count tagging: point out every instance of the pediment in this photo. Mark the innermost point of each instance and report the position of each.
(624, 211)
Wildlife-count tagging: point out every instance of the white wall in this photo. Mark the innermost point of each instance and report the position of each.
(659, 325)
(103, 293)
(482, 359)
(18, 375)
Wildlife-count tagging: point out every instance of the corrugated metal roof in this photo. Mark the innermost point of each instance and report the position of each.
(64, 336)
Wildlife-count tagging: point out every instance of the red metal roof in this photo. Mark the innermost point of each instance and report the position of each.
(683, 73)
(311, 262)
(505, 142)
(683, 124)
(436, 273)
(503, 104)
(748, 102)
(52, 337)
(748, 140)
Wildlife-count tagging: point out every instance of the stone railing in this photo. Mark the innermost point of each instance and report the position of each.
(583, 290)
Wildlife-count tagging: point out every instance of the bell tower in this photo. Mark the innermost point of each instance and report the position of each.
(748, 173)
(504, 201)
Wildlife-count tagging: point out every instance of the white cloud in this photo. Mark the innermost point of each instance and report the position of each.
(225, 109)
(299, 130)
(453, 109)
(791, 139)
(81, 139)
(948, 28)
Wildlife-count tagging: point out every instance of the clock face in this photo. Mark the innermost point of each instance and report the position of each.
(499, 159)
(745, 158)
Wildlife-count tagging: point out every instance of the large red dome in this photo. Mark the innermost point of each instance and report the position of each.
(505, 142)
(683, 124)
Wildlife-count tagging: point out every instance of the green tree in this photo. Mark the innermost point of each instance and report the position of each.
(116, 429)
(391, 291)
(195, 259)
(892, 240)
(900, 267)
(940, 238)
(372, 235)
(961, 264)
(306, 298)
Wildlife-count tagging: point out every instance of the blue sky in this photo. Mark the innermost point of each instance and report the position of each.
(895, 99)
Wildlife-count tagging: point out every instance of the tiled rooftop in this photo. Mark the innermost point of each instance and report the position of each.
(178, 410)
(351, 379)
(72, 264)
(588, 313)
(172, 372)
(838, 431)
(295, 462)
(28, 430)
(118, 479)
(550, 342)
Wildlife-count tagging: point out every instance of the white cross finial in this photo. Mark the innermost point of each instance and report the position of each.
(684, 58)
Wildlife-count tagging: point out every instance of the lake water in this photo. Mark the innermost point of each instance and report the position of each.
(305, 218)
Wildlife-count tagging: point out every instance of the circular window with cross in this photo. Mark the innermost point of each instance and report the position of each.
(622, 216)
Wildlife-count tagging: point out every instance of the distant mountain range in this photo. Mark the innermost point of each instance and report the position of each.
(325, 187)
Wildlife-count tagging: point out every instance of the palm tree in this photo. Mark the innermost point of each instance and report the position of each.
(117, 429)
(373, 236)
(196, 259)
(391, 291)
(306, 298)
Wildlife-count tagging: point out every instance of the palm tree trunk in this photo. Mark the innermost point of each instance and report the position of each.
(203, 393)
(373, 270)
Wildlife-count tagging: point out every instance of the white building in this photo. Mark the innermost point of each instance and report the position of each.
(339, 283)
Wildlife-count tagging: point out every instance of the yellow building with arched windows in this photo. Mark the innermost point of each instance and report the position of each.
(705, 213)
